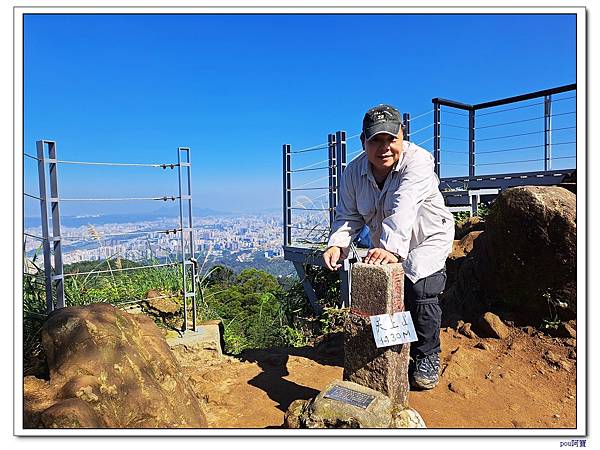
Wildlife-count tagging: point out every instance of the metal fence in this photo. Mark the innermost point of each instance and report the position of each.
(521, 131)
(52, 239)
(480, 149)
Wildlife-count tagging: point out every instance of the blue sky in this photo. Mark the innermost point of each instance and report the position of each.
(234, 88)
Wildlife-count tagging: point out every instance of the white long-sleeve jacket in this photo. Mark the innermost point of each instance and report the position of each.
(407, 217)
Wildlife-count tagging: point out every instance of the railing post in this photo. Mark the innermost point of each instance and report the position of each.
(406, 123)
(287, 194)
(187, 234)
(548, 132)
(340, 155)
(183, 268)
(45, 225)
(56, 233)
(331, 146)
(471, 142)
(340, 159)
(436, 137)
(187, 237)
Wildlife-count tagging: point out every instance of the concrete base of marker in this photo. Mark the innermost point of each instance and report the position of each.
(208, 336)
(376, 290)
(325, 412)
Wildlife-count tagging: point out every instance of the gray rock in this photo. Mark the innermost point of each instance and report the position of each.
(407, 418)
(295, 411)
(324, 412)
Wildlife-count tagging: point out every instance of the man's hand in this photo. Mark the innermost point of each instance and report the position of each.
(379, 256)
(331, 257)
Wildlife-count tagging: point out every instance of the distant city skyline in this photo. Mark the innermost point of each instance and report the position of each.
(234, 88)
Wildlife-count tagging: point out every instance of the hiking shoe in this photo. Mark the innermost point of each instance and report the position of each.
(426, 371)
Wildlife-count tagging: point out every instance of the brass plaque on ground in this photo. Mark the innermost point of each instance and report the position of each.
(349, 396)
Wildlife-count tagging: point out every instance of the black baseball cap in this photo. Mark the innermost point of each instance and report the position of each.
(381, 119)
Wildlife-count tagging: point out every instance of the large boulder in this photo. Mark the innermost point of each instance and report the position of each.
(532, 240)
(112, 369)
(524, 260)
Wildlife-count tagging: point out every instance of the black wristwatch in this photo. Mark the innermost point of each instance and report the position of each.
(398, 257)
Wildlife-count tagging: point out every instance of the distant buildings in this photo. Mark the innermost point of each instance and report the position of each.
(241, 236)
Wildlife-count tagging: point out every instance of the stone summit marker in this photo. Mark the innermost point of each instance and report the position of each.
(376, 290)
(374, 392)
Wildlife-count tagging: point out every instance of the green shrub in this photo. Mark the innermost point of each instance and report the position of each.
(255, 309)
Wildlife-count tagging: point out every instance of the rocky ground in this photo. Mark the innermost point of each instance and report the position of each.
(526, 380)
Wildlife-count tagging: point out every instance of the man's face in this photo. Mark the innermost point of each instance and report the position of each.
(384, 150)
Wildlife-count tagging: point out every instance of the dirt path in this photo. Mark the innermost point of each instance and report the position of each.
(523, 381)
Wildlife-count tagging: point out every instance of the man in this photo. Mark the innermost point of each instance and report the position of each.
(392, 188)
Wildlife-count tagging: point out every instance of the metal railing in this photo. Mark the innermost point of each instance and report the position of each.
(334, 164)
(52, 239)
(526, 124)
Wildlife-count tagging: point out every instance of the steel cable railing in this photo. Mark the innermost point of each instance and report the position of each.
(421, 115)
(456, 113)
(453, 138)
(70, 240)
(306, 169)
(425, 141)
(123, 233)
(464, 152)
(512, 149)
(123, 269)
(314, 181)
(313, 148)
(35, 197)
(412, 133)
(523, 120)
(116, 199)
(113, 164)
(34, 236)
(522, 161)
(509, 109)
(521, 125)
(308, 228)
(453, 126)
(521, 134)
(554, 100)
(310, 149)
